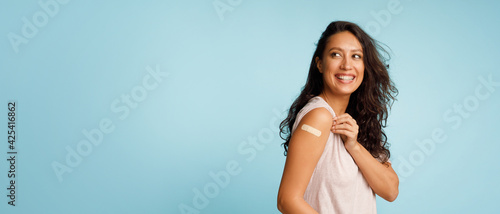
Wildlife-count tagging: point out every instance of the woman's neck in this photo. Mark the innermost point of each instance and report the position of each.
(337, 103)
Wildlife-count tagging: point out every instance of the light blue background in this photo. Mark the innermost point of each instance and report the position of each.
(227, 79)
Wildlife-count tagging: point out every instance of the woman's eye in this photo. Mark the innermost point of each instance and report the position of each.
(356, 56)
(335, 54)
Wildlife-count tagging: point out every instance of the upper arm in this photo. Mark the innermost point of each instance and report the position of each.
(304, 151)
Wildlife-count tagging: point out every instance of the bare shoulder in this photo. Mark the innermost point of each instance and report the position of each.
(318, 116)
(313, 129)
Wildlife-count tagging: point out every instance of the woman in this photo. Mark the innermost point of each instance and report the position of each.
(337, 156)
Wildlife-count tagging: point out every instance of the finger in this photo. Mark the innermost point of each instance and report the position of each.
(343, 126)
(342, 120)
(344, 115)
(346, 133)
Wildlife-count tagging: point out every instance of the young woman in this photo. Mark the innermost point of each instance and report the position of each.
(337, 155)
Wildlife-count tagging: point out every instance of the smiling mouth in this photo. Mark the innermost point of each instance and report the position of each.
(344, 77)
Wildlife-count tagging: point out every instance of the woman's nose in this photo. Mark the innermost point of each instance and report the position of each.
(346, 64)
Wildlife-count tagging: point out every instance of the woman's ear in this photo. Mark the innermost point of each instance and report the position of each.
(318, 64)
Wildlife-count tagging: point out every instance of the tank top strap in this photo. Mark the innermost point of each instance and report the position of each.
(317, 102)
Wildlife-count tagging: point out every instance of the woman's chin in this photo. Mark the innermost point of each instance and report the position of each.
(344, 91)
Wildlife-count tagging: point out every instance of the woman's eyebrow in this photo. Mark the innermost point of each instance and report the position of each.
(341, 49)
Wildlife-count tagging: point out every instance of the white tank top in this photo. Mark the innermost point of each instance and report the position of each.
(336, 185)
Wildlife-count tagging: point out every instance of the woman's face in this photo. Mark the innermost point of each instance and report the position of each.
(342, 64)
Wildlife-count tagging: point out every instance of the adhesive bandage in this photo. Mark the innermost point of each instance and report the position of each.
(311, 130)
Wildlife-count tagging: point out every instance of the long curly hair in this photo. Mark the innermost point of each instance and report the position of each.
(368, 105)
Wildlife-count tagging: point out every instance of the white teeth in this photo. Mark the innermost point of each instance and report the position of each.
(345, 77)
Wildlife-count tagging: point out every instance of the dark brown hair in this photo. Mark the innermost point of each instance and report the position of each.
(368, 105)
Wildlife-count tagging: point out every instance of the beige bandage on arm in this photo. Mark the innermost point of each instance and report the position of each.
(311, 130)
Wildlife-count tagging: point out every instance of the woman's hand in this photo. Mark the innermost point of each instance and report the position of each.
(346, 126)
(381, 177)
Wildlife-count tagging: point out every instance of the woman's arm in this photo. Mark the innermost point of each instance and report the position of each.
(304, 151)
(381, 177)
